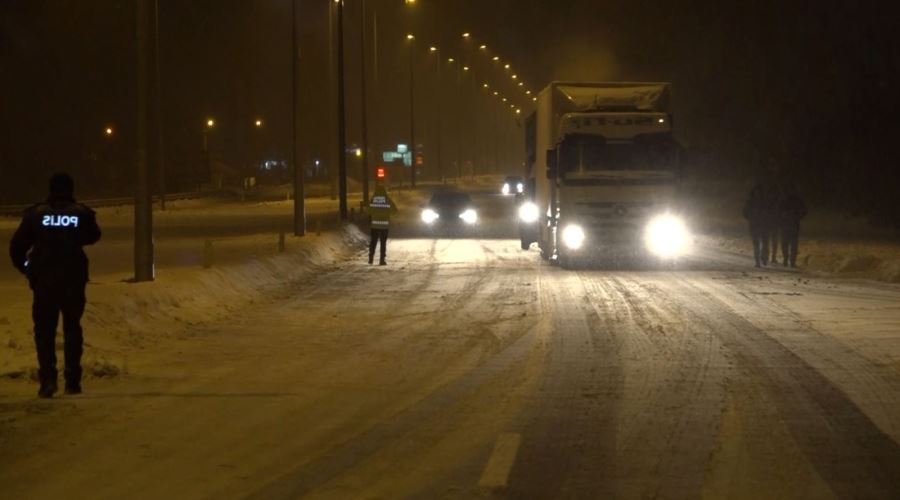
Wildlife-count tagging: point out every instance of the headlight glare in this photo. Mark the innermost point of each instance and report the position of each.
(667, 236)
(429, 216)
(520, 187)
(469, 216)
(529, 212)
(573, 236)
(505, 189)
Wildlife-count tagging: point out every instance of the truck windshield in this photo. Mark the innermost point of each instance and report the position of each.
(586, 153)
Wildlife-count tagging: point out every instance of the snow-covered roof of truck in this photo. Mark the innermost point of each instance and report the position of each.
(584, 97)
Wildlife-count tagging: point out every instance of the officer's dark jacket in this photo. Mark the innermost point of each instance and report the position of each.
(48, 245)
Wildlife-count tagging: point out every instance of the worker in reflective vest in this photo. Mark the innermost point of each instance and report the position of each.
(381, 208)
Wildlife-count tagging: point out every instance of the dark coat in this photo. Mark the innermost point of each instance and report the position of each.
(792, 209)
(48, 245)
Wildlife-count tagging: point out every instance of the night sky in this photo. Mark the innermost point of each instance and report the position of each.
(807, 87)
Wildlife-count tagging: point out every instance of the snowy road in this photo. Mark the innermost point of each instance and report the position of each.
(471, 369)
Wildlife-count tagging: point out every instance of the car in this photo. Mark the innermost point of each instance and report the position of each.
(450, 208)
(513, 185)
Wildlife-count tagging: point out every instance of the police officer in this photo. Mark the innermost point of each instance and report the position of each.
(381, 208)
(792, 209)
(48, 249)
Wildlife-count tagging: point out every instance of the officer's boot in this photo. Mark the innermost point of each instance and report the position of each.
(73, 380)
(48, 383)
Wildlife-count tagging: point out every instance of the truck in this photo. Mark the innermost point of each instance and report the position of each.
(603, 169)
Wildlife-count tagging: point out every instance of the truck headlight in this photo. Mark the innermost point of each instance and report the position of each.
(573, 236)
(429, 216)
(505, 188)
(529, 212)
(469, 216)
(666, 236)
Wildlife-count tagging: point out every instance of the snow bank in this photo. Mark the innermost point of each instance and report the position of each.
(124, 318)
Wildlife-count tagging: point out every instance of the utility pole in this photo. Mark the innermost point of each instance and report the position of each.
(412, 110)
(342, 133)
(160, 149)
(365, 115)
(299, 196)
(143, 202)
(440, 165)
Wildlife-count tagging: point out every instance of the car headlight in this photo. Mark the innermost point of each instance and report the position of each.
(505, 189)
(469, 216)
(666, 236)
(429, 216)
(529, 212)
(573, 236)
(520, 187)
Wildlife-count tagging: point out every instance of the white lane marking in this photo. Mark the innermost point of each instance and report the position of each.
(496, 473)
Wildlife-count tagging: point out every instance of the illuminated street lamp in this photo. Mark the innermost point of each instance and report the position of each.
(258, 123)
(466, 35)
(108, 131)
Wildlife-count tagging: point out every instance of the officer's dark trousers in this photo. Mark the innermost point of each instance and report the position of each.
(378, 235)
(48, 303)
(790, 241)
(759, 233)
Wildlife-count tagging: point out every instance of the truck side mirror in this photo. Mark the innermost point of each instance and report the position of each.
(552, 169)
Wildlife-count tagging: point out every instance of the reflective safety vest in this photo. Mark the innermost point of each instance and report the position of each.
(381, 208)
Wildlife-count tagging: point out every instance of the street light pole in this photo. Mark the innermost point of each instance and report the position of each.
(440, 165)
(412, 110)
(365, 116)
(342, 136)
(299, 196)
(143, 202)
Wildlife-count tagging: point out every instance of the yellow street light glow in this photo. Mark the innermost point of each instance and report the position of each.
(409, 2)
(496, 93)
(506, 67)
(410, 37)
(504, 99)
(515, 76)
(534, 99)
(451, 60)
(518, 111)
(465, 68)
(521, 84)
(466, 35)
(432, 49)
(486, 86)
(358, 152)
(496, 58)
(483, 47)
(527, 92)
(258, 123)
(210, 123)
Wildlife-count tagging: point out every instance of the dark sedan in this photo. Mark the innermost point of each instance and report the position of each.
(450, 208)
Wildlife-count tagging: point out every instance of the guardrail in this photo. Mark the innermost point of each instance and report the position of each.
(16, 210)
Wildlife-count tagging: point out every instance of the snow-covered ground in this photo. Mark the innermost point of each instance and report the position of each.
(467, 368)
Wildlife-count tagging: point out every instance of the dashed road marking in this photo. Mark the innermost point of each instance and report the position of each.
(496, 473)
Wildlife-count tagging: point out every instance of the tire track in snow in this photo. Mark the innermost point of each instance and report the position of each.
(852, 454)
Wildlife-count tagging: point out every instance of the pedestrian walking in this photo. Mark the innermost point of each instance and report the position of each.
(773, 222)
(381, 209)
(48, 249)
(758, 212)
(792, 210)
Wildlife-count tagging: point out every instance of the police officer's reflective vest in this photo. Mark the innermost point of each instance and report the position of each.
(381, 208)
